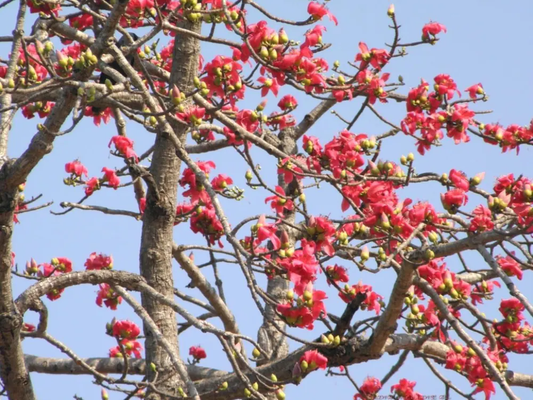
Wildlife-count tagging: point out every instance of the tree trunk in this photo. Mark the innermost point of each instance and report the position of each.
(158, 222)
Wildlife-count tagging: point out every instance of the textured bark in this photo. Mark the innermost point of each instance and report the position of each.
(15, 378)
(158, 222)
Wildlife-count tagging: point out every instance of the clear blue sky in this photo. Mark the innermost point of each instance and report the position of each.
(487, 41)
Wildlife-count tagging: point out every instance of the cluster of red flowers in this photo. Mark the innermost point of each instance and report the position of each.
(465, 360)
(56, 267)
(200, 210)
(126, 333)
(77, 170)
(513, 333)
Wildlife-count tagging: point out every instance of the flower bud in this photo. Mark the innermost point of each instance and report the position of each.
(223, 386)
(390, 11)
(280, 395)
(256, 353)
(365, 254)
(248, 176)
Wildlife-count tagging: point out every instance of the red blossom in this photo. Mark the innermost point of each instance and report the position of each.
(280, 203)
(445, 86)
(475, 90)
(377, 58)
(197, 352)
(318, 11)
(131, 347)
(312, 360)
(62, 264)
(288, 103)
(369, 389)
(92, 185)
(221, 182)
(510, 266)
(453, 199)
(431, 29)
(111, 177)
(98, 262)
(76, 168)
(459, 180)
(482, 220)
(405, 389)
(266, 231)
(124, 146)
(336, 274)
(108, 296)
(126, 330)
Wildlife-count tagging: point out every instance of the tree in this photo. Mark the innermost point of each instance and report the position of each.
(342, 208)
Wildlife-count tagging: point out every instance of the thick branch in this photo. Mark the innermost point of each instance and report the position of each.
(207, 290)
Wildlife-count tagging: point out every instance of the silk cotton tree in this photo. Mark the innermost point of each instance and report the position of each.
(338, 209)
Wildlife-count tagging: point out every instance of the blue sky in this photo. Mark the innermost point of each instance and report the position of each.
(487, 42)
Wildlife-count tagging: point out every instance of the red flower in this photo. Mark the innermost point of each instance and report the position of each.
(373, 300)
(91, 186)
(458, 123)
(28, 327)
(453, 199)
(318, 11)
(126, 330)
(206, 222)
(459, 180)
(430, 30)
(108, 296)
(266, 231)
(336, 274)
(47, 271)
(405, 389)
(313, 36)
(287, 103)
(98, 262)
(269, 85)
(375, 57)
(475, 90)
(280, 203)
(197, 352)
(124, 146)
(102, 115)
(510, 266)
(301, 266)
(76, 168)
(130, 347)
(322, 231)
(445, 86)
(111, 177)
(486, 386)
(368, 389)
(192, 115)
(312, 360)
(81, 22)
(512, 307)
(62, 264)
(296, 316)
(482, 220)
(221, 182)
